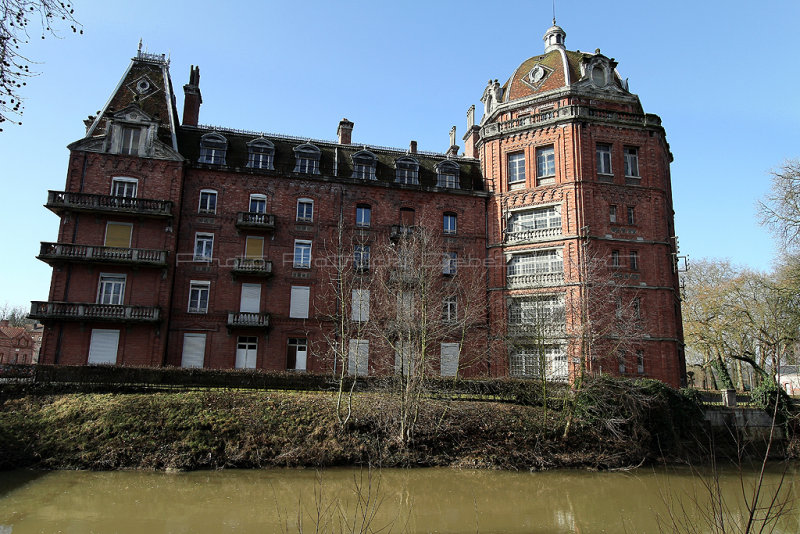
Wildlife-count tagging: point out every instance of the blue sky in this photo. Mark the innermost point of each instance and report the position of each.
(722, 76)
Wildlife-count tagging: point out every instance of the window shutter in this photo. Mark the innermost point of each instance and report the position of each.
(449, 359)
(103, 346)
(194, 350)
(251, 298)
(357, 360)
(298, 307)
(118, 235)
(254, 247)
(360, 303)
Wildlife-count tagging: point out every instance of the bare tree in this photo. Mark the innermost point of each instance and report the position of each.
(18, 19)
(15, 315)
(780, 209)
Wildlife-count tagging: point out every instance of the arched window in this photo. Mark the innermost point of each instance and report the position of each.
(406, 170)
(364, 165)
(447, 174)
(306, 159)
(212, 149)
(261, 154)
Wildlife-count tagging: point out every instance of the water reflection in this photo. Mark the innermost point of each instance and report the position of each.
(420, 500)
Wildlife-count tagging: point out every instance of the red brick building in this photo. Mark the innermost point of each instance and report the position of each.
(16, 344)
(182, 244)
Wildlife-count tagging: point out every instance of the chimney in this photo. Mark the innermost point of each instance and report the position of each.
(412, 148)
(345, 132)
(192, 98)
(4, 322)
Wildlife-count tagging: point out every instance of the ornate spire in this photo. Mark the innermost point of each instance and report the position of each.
(554, 38)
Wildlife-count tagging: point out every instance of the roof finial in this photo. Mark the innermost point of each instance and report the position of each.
(140, 45)
(554, 12)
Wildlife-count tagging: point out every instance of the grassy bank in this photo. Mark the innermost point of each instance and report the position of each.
(615, 424)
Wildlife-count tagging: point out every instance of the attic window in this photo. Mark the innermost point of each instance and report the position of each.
(406, 171)
(447, 175)
(261, 154)
(130, 140)
(212, 149)
(306, 159)
(364, 165)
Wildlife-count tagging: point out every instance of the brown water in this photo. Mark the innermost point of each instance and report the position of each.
(419, 500)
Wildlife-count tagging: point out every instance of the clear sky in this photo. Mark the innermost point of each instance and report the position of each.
(723, 76)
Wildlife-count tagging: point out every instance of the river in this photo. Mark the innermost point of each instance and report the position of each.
(412, 501)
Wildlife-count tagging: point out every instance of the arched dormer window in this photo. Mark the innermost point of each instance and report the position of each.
(447, 174)
(406, 170)
(364, 165)
(212, 149)
(261, 154)
(306, 159)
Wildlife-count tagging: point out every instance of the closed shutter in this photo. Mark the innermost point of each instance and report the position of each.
(103, 346)
(298, 306)
(360, 300)
(118, 235)
(194, 350)
(254, 247)
(449, 359)
(358, 357)
(251, 298)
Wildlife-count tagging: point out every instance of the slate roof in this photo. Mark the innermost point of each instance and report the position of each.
(12, 331)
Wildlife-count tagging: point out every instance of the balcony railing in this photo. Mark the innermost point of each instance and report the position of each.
(533, 330)
(252, 266)
(535, 280)
(539, 234)
(80, 311)
(61, 252)
(248, 320)
(58, 201)
(255, 221)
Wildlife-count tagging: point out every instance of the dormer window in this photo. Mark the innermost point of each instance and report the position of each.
(212, 149)
(364, 165)
(447, 175)
(130, 140)
(261, 154)
(306, 159)
(406, 171)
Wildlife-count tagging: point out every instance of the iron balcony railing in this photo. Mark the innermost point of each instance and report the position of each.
(58, 201)
(535, 280)
(81, 311)
(539, 234)
(56, 252)
(534, 330)
(248, 319)
(255, 220)
(252, 266)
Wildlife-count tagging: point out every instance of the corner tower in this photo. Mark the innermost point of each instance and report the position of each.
(581, 225)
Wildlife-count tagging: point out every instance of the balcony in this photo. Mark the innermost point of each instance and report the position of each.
(248, 320)
(53, 253)
(537, 331)
(533, 235)
(80, 311)
(250, 220)
(61, 201)
(399, 231)
(252, 267)
(523, 281)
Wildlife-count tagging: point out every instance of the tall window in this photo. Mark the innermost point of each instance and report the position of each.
(302, 254)
(447, 175)
(640, 362)
(615, 258)
(296, 353)
(603, 159)
(258, 203)
(111, 289)
(208, 201)
(449, 223)
(364, 165)
(612, 213)
(360, 305)
(450, 263)
(545, 165)
(535, 219)
(634, 260)
(516, 170)
(621, 357)
(450, 309)
(212, 149)
(306, 159)
(407, 216)
(198, 297)
(203, 247)
(631, 161)
(631, 215)
(538, 312)
(305, 210)
(361, 257)
(124, 187)
(406, 171)
(539, 262)
(260, 154)
(130, 140)
(363, 216)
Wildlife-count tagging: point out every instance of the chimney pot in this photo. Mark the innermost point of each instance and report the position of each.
(345, 132)
(413, 147)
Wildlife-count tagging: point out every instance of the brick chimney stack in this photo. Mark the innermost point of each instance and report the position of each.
(412, 148)
(192, 98)
(345, 132)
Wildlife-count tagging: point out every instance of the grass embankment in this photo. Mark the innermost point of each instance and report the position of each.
(615, 425)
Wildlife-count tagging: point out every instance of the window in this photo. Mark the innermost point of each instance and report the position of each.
(640, 362)
(516, 170)
(250, 301)
(449, 223)
(450, 263)
(535, 219)
(212, 149)
(208, 201)
(130, 140)
(544, 311)
(612, 213)
(360, 305)
(305, 210)
(539, 262)
(296, 353)
(254, 248)
(306, 159)
(406, 171)
(603, 159)
(246, 352)
(124, 187)
(302, 254)
(111, 289)
(637, 308)
(407, 216)
(621, 358)
(544, 361)
(631, 215)
(194, 350)
(358, 357)
(364, 165)
(299, 302)
(258, 203)
(449, 359)
(361, 257)
(631, 161)
(203, 247)
(634, 260)
(260, 154)
(103, 346)
(118, 234)
(447, 175)
(615, 258)
(450, 309)
(198, 296)
(363, 216)
(545, 165)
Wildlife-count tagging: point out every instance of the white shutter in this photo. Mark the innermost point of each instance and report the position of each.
(402, 359)
(298, 307)
(358, 357)
(360, 302)
(449, 359)
(251, 298)
(194, 350)
(103, 346)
